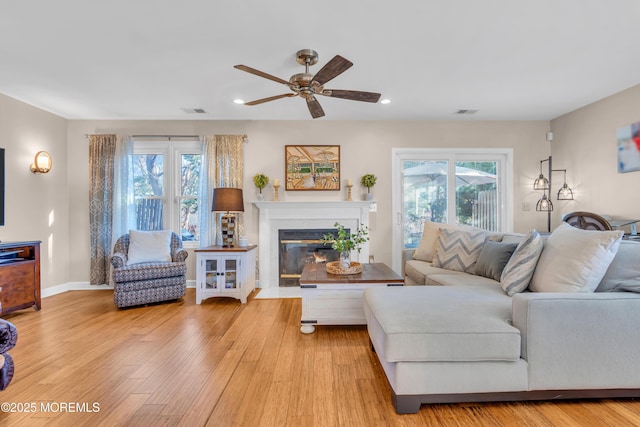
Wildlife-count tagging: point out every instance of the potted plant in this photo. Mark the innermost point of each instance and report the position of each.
(260, 180)
(368, 180)
(346, 242)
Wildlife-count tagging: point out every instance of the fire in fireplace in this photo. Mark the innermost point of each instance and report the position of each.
(300, 247)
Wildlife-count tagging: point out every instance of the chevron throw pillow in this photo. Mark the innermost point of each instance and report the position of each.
(458, 249)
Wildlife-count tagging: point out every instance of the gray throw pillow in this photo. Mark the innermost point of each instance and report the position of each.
(493, 257)
(519, 270)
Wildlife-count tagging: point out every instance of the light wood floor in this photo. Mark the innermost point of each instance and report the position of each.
(221, 364)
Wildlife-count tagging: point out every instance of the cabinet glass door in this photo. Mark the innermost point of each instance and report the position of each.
(230, 276)
(211, 274)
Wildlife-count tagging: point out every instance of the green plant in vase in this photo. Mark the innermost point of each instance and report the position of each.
(368, 180)
(345, 242)
(260, 180)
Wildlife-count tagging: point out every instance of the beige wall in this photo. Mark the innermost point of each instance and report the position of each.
(585, 144)
(36, 205)
(365, 148)
(53, 207)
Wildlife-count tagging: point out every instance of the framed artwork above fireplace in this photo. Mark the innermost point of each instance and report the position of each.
(312, 167)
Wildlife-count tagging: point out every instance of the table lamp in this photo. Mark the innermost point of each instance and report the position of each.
(227, 200)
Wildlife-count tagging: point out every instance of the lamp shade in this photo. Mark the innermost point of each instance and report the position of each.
(544, 204)
(565, 193)
(227, 200)
(541, 183)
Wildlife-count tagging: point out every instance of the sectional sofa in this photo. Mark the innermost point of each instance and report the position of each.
(510, 317)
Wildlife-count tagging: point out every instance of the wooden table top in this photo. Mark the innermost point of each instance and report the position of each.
(226, 249)
(371, 273)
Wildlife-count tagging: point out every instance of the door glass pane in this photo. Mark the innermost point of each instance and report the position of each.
(189, 183)
(477, 194)
(148, 190)
(424, 196)
(211, 273)
(230, 274)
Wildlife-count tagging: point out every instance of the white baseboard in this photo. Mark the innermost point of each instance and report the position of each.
(85, 286)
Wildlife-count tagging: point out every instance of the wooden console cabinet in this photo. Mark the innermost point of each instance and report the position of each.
(19, 276)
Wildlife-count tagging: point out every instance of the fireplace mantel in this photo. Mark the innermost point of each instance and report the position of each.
(275, 216)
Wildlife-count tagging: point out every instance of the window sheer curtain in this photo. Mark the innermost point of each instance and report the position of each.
(124, 209)
(111, 208)
(222, 166)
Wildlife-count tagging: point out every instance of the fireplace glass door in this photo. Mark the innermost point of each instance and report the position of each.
(299, 247)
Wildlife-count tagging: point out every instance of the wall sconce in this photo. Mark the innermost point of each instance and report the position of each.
(41, 163)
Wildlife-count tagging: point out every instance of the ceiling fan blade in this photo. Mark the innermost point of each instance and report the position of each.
(332, 69)
(261, 74)
(314, 107)
(352, 95)
(271, 98)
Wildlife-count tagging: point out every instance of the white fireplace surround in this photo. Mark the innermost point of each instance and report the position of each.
(276, 216)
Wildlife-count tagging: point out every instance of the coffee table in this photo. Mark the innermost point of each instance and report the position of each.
(329, 299)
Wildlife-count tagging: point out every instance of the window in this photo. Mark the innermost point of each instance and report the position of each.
(165, 186)
(464, 186)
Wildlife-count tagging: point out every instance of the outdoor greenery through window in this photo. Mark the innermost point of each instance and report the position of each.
(426, 195)
(165, 185)
(472, 186)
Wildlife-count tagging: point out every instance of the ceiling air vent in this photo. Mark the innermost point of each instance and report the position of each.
(194, 111)
(465, 112)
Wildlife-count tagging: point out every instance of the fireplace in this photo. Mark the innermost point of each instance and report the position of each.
(299, 247)
(283, 215)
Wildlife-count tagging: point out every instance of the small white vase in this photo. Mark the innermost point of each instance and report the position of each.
(260, 197)
(368, 196)
(345, 259)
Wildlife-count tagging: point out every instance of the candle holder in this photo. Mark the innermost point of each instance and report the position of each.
(275, 192)
(349, 199)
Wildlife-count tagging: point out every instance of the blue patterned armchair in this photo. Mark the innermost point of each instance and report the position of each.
(148, 282)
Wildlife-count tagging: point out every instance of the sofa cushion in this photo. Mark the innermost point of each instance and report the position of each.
(443, 323)
(574, 260)
(623, 273)
(458, 250)
(455, 278)
(519, 270)
(149, 246)
(421, 271)
(493, 257)
(427, 247)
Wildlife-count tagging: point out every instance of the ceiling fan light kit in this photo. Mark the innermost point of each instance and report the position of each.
(307, 85)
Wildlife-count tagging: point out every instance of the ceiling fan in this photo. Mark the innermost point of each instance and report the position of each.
(308, 85)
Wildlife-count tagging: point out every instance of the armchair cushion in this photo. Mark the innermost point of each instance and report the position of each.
(149, 246)
(149, 270)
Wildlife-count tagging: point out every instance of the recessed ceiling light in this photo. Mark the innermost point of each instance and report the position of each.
(385, 101)
(238, 101)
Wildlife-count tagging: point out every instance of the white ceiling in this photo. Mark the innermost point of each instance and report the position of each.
(151, 59)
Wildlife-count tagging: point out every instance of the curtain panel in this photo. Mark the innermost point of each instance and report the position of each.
(102, 150)
(222, 166)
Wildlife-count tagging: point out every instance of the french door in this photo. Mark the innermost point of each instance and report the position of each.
(463, 186)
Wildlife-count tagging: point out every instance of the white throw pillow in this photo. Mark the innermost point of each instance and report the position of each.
(574, 260)
(458, 250)
(149, 246)
(519, 270)
(427, 247)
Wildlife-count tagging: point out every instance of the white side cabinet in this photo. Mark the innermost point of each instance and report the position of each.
(225, 272)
